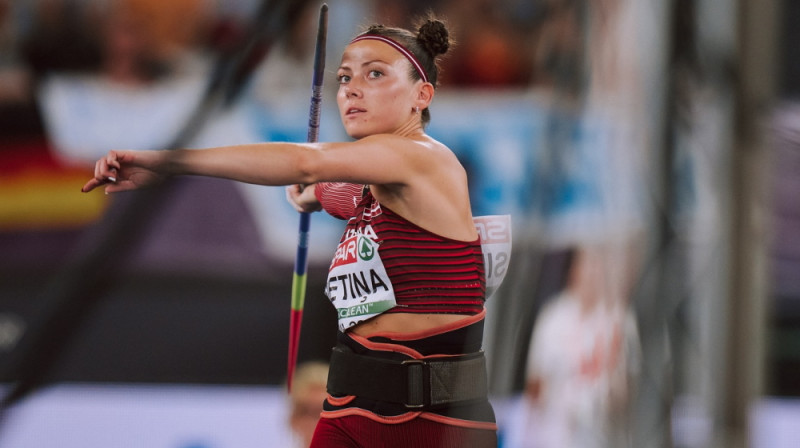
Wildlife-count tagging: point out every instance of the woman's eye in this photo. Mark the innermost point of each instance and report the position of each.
(375, 74)
(343, 79)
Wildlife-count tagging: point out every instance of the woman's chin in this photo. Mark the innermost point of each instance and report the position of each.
(357, 133)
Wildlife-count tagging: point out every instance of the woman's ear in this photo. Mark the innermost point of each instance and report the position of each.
(425, 95)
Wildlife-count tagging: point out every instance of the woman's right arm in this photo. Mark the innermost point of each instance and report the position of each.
(383, 159)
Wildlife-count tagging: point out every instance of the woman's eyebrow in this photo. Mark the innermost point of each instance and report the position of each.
(374, 61)
(364, 64)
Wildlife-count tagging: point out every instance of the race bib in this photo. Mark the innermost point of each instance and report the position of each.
(358, 286)
(495, 233)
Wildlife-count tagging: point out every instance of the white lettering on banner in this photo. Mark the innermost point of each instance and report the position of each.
(495, 264)
(493, 229)
(495, 234)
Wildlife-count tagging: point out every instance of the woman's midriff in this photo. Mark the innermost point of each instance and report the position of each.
(404, 323)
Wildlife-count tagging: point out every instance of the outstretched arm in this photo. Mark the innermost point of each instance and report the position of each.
(268, 164)
(372, 160)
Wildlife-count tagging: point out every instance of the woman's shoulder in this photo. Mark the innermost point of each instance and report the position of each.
(423, 150)
(418, 140)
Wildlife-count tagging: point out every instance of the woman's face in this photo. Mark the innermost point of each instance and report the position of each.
(376, 94)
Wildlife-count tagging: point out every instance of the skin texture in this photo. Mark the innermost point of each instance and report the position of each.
(379, 104)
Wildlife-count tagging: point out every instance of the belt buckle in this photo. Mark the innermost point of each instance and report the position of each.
(415, 375)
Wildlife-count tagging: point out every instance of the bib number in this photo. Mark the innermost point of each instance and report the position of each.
(358, 286)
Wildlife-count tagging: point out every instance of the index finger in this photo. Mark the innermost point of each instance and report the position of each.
(95, 182)
(91, 185)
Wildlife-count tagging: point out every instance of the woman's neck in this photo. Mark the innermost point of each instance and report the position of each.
(412, 128)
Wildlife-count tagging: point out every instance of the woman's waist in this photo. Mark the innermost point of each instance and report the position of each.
(410, 325)
(417, 335)
(397, 376)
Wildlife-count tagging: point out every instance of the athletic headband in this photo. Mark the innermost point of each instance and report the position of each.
(409, 55)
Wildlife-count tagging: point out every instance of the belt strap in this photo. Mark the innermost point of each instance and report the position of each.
(415, 383)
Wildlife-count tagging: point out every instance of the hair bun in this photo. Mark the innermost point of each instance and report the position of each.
(433, 37)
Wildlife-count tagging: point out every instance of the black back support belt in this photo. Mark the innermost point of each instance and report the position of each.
(417, 384)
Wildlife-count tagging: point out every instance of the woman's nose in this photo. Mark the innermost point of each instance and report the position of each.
(351, 91)
(352, 88)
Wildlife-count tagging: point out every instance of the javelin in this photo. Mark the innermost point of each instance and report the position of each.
(301, 259)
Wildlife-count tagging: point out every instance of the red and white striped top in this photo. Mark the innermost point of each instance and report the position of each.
(429, 273)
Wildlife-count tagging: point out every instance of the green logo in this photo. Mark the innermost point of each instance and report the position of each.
(365, 248)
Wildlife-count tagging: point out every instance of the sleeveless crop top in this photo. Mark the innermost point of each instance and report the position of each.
(429, 273)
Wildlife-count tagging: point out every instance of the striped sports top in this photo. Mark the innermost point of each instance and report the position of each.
(429, 273)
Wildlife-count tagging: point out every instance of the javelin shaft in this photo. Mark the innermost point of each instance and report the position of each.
(319, 75)
(301, 259)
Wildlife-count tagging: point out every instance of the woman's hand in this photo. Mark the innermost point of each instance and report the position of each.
(127, 170)
(303, 198)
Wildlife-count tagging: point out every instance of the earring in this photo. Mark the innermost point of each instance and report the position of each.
(416, 110)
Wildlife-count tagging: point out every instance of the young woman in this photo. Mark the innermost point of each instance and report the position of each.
(408, 278)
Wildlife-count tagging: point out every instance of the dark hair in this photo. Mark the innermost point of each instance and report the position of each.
(432, 39)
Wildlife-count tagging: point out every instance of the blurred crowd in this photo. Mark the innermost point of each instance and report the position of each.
(135, 43)
(65, 63)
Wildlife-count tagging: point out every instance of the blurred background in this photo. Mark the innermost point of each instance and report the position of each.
(648, 152)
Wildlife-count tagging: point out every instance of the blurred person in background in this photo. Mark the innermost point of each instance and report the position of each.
(305, 400)
(583, 359)
(584, 353)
